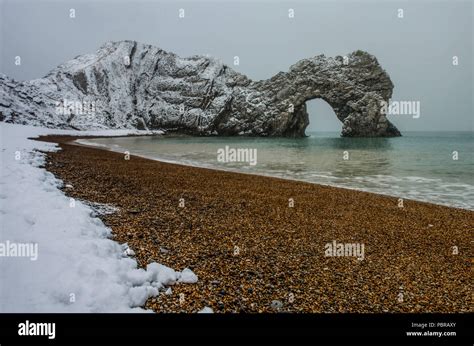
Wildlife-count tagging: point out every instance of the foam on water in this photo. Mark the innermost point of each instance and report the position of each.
(417, 166)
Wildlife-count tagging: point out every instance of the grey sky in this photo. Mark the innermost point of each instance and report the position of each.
(416, 50)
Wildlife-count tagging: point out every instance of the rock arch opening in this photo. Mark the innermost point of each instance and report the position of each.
(322, 117)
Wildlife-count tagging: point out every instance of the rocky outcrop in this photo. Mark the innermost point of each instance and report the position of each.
(127, 84)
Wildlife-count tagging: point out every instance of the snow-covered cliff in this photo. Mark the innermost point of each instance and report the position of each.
(132, 85)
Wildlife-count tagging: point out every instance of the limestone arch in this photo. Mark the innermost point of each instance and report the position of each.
(355, 91)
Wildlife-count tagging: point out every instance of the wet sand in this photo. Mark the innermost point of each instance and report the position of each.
(249, 248)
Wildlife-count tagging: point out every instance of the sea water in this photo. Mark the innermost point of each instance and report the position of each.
(435, 167)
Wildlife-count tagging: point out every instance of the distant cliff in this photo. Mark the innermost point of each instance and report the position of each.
(132, 85)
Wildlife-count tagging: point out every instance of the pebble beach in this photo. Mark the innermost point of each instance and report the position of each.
(257, 244)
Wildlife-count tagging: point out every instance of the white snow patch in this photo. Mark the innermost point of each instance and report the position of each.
(78, 269)
(188, 277)
(127, 251)
(206, 310)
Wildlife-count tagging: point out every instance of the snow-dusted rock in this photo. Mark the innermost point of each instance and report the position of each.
(132, 85)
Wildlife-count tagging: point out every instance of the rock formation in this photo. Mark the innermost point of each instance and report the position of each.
(127, 84)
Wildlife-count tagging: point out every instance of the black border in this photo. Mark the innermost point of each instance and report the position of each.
(238, 329)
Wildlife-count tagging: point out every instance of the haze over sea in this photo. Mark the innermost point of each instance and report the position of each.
(419, 165)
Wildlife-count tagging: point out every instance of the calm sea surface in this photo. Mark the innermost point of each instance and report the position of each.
(416, 166)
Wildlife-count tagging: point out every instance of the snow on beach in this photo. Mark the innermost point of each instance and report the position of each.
(78, 268)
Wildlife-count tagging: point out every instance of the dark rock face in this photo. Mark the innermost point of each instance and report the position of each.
(127, 84)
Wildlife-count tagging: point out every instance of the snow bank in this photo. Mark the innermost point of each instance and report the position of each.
(78, 268)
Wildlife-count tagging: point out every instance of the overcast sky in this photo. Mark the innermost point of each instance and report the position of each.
(416, 50)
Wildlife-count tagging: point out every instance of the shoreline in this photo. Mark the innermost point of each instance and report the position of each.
(74, 141)
(281, 248)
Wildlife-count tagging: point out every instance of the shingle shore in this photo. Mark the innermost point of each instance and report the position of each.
(254, 253)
